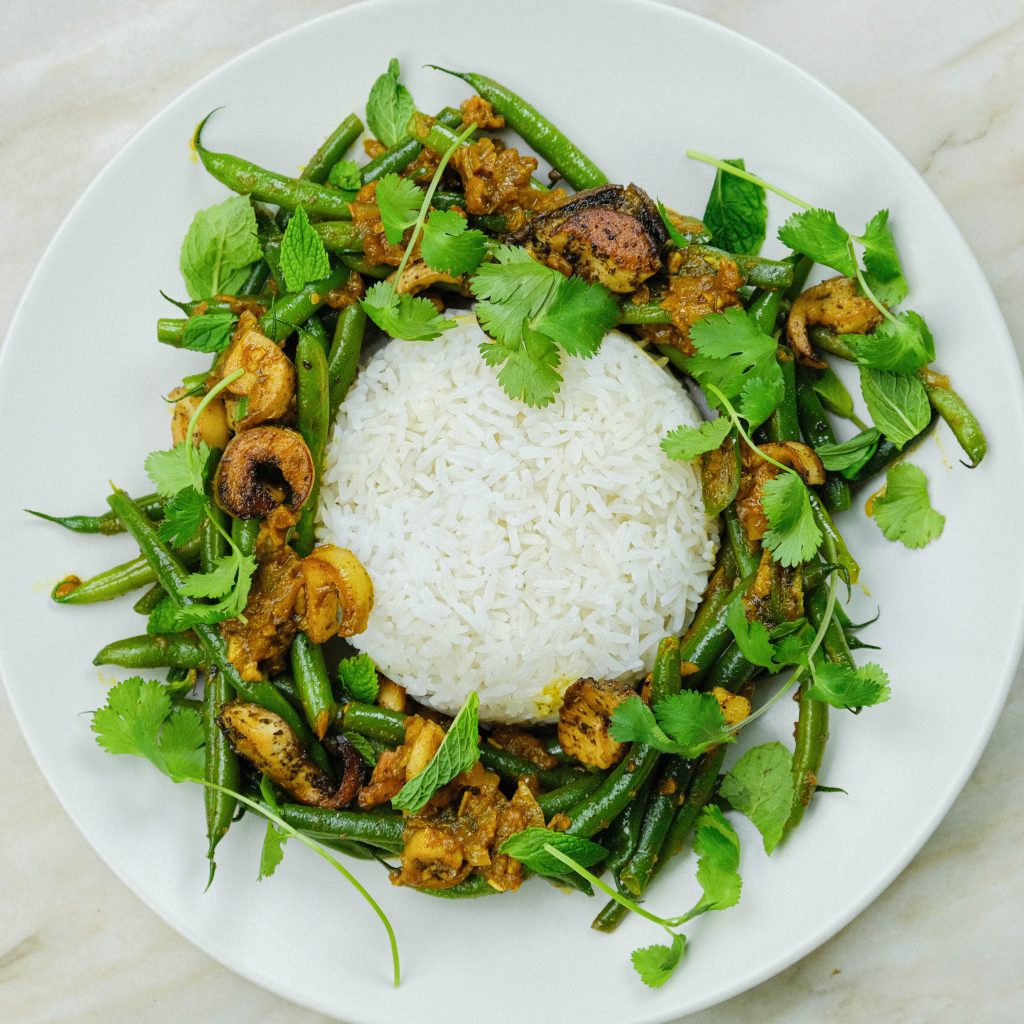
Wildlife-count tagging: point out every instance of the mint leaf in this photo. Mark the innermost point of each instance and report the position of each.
(459, 751)
(833, 394)
(730, 350)
(358, 678)
(693, 720)
(403, 316)
(881, 262)
(399, 201)
(718, 849)
(579, 316)
(274, 839)
(208, 332)
(527, 847)
(449, 245)
(901, 346)
(363, 748)
(817, 234)
(793, 536)
(760, 785)
(345, 174)
(165, 618)
(656, 964)
(849, 457)
(686, 443)
(171, 471)
(303, 256)
(759, 399)
(673, 232)
(844, 687)
(389, 107)
(897, 403)
(183, 516)
(903, 511)
(219, 247)
(736, 213)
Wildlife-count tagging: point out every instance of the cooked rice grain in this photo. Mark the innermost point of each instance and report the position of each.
(513, 550)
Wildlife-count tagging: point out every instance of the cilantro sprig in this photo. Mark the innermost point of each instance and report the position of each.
(903, 511)
(139, 719)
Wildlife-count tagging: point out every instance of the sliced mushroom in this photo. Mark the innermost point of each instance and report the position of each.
(339, 593)
(268, 383)
(212, 425)
(418, 276)
(262, 469)
(608, 234)
(584, 722)
(835, 303)
(268, 741)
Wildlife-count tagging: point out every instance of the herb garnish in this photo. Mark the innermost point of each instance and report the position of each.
(903, 511)
(389, 106)
(303, 255)
(219, 248)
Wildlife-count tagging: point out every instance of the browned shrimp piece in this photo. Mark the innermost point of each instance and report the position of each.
(338, 593)
(584, 722)
(757, 472)
(268, 383)
(262, 469)
(212, 425)
(835, 303)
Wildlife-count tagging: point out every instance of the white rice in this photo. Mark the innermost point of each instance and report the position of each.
(513, 550)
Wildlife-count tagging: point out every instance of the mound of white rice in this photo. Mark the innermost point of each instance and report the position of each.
(513, 550)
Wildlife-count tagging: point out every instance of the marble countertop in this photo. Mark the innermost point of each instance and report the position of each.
(944, 83)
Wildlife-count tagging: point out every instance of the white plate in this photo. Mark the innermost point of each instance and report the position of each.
(80, 380)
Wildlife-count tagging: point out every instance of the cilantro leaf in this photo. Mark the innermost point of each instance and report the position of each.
(183, 516)
(902, 345)
(844, 687)
(903, 511)
(458, 752)
(527, 847)
(303, 256)
(752, 638)
(389, 107)
(449, 245)
(817, 234)
(730, 350)
(171, 470)
(656, 964)
(579, 315)
(633, 721)
(718, 849)
(849, 457)
(693, 720)
(759, 399)
(219, 247)
(358, 678)
(897, 403)
(345, 174)
(404, 316)
(399, 201)
(530, 370)
(209, 332)
(736, 213)
(760, 785)
(686, 443)
(881, 262)
(274, 839)
(138, 719)
(793, 536)
(510, 291)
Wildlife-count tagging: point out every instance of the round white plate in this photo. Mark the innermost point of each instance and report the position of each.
(80, 384)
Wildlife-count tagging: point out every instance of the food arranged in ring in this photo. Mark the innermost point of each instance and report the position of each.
(446, 566)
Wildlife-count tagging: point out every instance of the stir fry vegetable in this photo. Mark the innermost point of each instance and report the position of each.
(246, 610)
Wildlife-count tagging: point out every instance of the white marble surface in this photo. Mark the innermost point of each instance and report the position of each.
(945, 82)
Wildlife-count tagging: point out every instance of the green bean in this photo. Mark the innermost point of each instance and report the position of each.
(378, 271)
(709, 635)
(339, 235)
(384, 829)
(764, 310)
(107, 523)
(818, 431)
(755, 270)
(665, 799)
(494, 223)
(644, 313)
(170, 650)
(250, 179)
(557, 801)
(333, 148)
(149, 600)
(802, 266)
(732, 670)
(746, 553)
(121, 579)
(783, 424)
(313, 423)
(343, 359)
(286, 685)
(244, 533)
(537, 131)
(886, 454)
(312, 683)
(621, 836)
(400, 156)
(511, 767)
(433, 135)
(293, 310)
(953, 409)
(222, 766)
(824, 523)
(470, 888)
(371, 720)
(212, 543)
(257, 279)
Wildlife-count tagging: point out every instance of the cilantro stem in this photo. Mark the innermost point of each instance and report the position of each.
(734, 416)
(424, 208)
(865, 288)
(706, 158)
(199, 410)
(266, 812)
